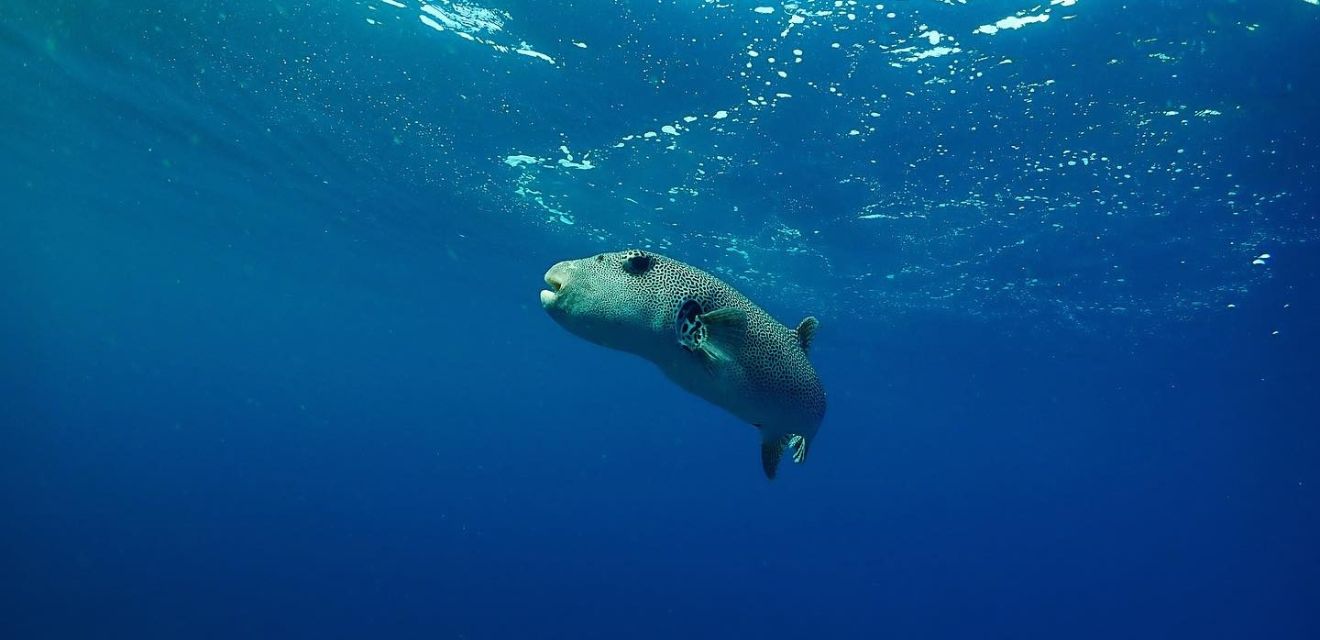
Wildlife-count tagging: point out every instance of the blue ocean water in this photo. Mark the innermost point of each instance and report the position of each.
(272, 362)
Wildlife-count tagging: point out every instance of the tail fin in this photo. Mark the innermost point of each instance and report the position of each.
(773, 448)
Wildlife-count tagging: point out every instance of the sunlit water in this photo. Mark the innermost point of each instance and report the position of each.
(272, 362)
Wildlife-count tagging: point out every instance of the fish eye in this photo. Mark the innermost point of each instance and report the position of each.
(600, 257)
(638, 264)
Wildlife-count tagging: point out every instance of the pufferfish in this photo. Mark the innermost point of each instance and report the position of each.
(703, 334)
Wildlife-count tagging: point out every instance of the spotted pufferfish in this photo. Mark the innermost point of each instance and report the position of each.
(703, 334)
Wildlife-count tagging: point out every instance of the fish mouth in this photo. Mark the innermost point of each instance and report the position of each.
(551, 295)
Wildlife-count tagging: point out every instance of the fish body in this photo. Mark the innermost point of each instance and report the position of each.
(703, 334)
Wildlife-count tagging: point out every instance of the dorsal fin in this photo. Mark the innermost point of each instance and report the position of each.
(806, 332)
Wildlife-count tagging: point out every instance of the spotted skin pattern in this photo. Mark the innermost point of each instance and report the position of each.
(691, 329)
(653, 306)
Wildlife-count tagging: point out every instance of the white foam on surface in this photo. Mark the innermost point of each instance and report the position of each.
(532, 53)
(1011, 22)
(932, 53)
(428, 21)
(519, 159)
(568, 162)
(476, 24)
(467, 21)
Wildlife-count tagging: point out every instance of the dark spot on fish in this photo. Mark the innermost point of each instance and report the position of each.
(638, 264)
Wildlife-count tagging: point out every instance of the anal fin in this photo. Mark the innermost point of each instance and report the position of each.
(770, 453)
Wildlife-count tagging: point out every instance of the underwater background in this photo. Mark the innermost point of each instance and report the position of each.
(272, 362)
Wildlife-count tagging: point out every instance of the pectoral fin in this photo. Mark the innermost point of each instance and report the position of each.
(725, 331)
(714, 337)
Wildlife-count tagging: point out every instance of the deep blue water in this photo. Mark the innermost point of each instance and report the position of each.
(272, 362)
